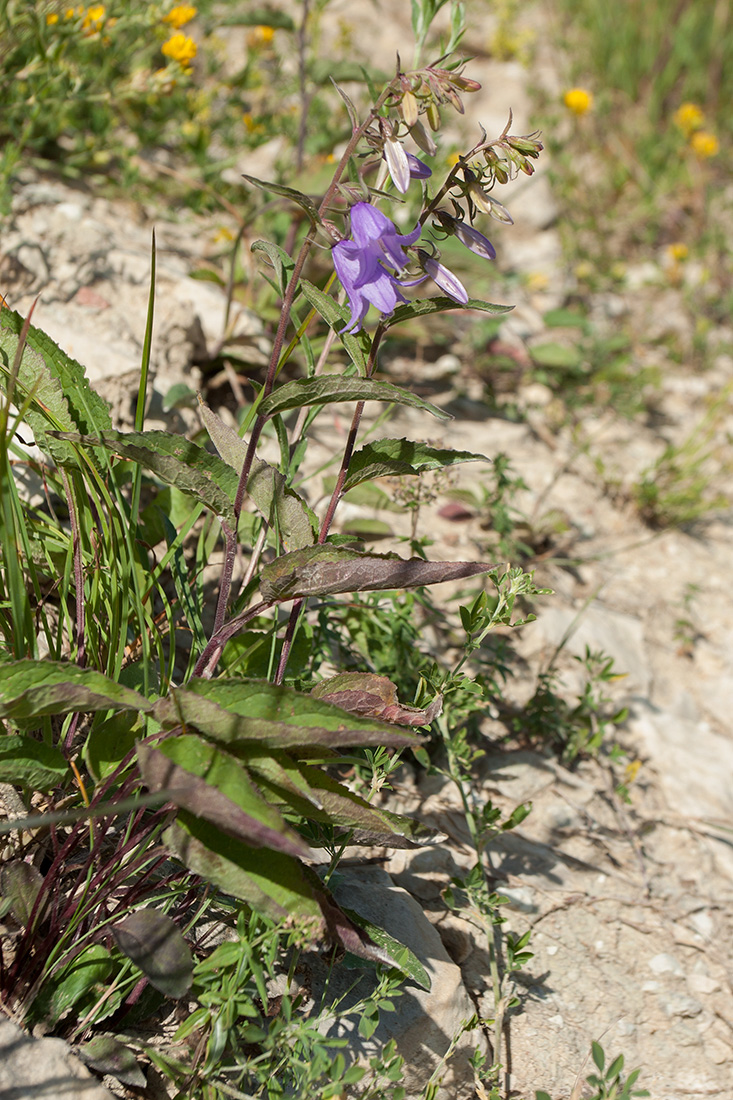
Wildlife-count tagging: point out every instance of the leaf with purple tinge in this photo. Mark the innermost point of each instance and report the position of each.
(233, 711)
(365, 693)
(152, 941)
(210, 783)
(327, 570)
(30, 689)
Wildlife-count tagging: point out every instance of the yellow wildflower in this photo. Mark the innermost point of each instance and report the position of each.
(632, 770)
(453, 159)
(180, 47)
(578, 100)
(69, 13)
(51, 18)
(688, 117)
(251, 125)
(93, 18)
(260, 36)
(677, 251)
(222, 235)
(180, 15)
(704, 144)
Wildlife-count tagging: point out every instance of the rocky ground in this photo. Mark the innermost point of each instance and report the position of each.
(629, 904)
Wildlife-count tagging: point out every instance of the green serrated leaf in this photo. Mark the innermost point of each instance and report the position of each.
(273, 883)
(206, 781)
(25, 762)
(108, 1055)
(177, 461)
(233, 710)
(427, 306)
(31, 689)
(331, 388)
(399, 457)
(62, 398)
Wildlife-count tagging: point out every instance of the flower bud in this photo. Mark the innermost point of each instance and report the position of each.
(530, 145)
(465, 83)
(409, 109)
(422, 139)
(433, 115)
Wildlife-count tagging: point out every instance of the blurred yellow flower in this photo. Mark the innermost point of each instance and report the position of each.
(180, 15)
(578, 100)
(251, 125)
(222, 235)
(69, 13)
(537, 280)
(704, 144)
(632, 770)
(180, 47)
(677, 251)
(51, 18)
(453, 159)
(688, 117)
(260, 36)
(93, 18)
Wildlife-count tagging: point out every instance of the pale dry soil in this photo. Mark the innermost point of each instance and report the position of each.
(629, 903)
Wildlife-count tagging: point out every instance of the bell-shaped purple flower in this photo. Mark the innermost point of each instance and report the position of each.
(362, 263)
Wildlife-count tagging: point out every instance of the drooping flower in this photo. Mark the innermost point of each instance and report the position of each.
(445, 279)
(468, 236)
(578, 100)
(362, 264)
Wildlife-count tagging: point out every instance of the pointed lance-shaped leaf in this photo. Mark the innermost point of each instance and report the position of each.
(235, 710)
(210, 783)
(327, 570)
(398, 457)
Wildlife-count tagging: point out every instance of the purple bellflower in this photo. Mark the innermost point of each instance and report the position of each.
(362, 263)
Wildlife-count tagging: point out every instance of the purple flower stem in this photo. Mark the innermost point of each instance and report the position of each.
(225, 583)
(333, 503)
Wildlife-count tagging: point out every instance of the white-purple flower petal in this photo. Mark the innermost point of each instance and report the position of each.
(475, 241)
(398, 164)
(444, 278)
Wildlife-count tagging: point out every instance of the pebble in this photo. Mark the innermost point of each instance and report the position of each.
(701, 983)
(681, 1004)
(665, 964)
